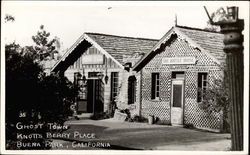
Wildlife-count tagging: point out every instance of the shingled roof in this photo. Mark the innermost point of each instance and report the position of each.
(116, 47)
(119, 46)
(208, 40)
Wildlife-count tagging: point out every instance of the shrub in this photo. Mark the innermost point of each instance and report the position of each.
(216, 99)
(137, 118)
(32, 97)
(100, 116)
(127, 112)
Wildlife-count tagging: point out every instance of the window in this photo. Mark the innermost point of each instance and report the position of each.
(177, 95)
(155, 86)
(131, 90)
(114, 85)
(93, 74)
(202, 85)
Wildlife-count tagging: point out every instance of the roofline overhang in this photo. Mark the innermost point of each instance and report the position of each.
(93, 43)
(174, 30)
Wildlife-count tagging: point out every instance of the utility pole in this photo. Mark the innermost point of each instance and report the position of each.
(232, 27)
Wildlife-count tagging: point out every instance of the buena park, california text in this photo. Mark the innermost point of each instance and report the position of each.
(56, 135)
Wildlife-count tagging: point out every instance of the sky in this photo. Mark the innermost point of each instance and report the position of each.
(69, 20)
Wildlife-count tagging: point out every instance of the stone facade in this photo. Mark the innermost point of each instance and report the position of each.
(193, 114)
(176, 44)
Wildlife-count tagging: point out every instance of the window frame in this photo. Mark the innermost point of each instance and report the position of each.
(114, 85)
(155, 86)
(132, 83)
(202, 85)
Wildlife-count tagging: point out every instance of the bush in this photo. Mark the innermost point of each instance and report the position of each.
(216, 100)
(127, 112)
(137, 118)
(33, 98)
(100, 116)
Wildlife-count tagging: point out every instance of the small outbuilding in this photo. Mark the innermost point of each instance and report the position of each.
(175, 73)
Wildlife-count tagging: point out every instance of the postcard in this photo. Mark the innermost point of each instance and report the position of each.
(116, 77)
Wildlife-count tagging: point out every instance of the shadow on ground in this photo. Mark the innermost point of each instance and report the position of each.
(129, 136)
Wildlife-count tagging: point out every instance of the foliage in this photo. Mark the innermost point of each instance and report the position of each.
(100, 116)
(56, 96)
(137, 118)
(44, 48)
(32, 97)
(8, 18)
(126, 111)
(216, 99)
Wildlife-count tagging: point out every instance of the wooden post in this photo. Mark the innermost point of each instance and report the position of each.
(233, 40)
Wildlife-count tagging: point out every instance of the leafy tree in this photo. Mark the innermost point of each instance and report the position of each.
(32, 97)
(21, 95)
(8, 18)
(44, 48)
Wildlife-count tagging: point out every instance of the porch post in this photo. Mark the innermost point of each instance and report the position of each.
(233, 48)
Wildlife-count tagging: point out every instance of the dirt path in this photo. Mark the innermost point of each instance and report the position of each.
(141, 136)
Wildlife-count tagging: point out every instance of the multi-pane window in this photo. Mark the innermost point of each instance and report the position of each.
(114, 85)
(131, 90)
(202, 85)
(155, 86)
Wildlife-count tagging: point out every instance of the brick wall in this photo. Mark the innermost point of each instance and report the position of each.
(193, 114)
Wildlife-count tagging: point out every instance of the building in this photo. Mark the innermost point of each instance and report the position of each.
(184, 61)
(99, 64)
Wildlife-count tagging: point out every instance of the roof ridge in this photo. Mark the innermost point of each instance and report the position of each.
(121, 36)
(198, 29)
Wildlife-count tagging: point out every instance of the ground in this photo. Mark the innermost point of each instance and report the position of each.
(140, 136)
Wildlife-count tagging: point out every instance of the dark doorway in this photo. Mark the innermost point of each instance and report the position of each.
(95, 95)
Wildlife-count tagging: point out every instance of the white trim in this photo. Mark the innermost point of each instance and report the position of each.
(79, 40)
(175, 30)
(92, 42)
(177, 82)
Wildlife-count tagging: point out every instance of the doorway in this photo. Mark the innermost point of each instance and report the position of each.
(95, 94)
(177, 99)
(91, 100)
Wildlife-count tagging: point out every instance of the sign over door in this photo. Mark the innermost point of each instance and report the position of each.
(179, 60)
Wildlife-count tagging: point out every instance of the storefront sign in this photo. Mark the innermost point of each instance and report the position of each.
(179, 60)
(92, 59)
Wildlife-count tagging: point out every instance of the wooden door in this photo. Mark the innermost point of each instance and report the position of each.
(99, 95)
(90, 96)
(177, 102)
(95, 96)
(81, 97)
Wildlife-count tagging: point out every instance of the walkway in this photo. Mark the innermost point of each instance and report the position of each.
(141, 136)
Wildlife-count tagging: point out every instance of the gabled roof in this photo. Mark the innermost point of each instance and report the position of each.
(209, 42)
(119, 46)
(114, 47)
